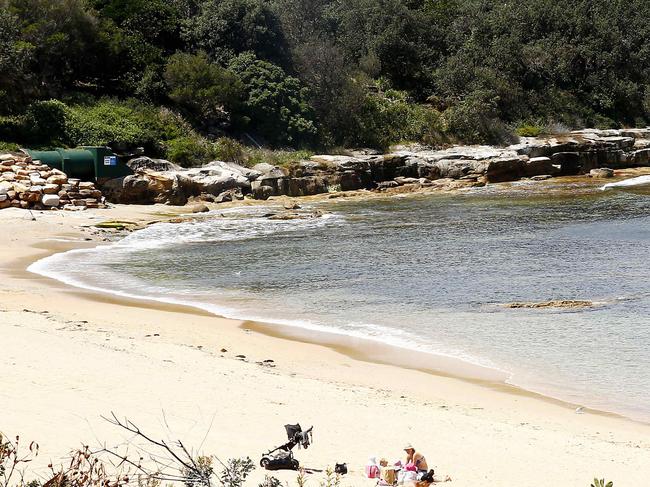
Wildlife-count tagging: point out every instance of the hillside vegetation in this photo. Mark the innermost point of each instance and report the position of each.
(179, 76)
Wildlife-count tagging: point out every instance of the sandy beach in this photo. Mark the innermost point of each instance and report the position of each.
(69, 357)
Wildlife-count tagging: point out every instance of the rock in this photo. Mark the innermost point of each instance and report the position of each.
(387, 184)
(31, 197)
(539, 166)
(50, 188)
(50, 200)
(603, 172)
(402, 180)
(57, 179)
(268, 170)
(262, 192)
(158, 165)
(504, 169)
(3, 197)
(551, 304)
(291, 205)
(568, 162)
(38, 180)
(224, 197)
(198, 208)
(286, 216)
(541, 177)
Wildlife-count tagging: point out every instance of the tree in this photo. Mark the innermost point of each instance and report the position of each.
(206, 91)
(226, 28)
(275, 105)
(388, 39)
(16, 83)
(64, 40)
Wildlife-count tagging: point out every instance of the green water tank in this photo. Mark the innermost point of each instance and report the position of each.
(52, 158)
(85, 163)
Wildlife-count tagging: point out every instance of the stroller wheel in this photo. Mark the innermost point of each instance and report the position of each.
(264, 462)
(295, 464)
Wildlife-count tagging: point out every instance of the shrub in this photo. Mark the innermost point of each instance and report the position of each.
(475, 121)
(190, 151)
(601, 483)
(227, 149)
(276, 157)
(390, 117)
(528, 130)
(12, 128)
(9, 146)
(110, 122)
(47, 121)
(124, 125)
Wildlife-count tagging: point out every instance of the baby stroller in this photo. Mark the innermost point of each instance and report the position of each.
(281, 458)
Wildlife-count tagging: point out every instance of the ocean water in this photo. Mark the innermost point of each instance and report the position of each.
(427, 273)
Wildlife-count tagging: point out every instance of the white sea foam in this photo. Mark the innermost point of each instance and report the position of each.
(628, 183)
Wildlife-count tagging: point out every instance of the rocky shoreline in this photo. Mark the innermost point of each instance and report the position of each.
(29, 184)
(594, 152)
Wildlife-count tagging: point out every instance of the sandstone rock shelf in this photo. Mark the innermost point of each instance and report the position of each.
(594, 152)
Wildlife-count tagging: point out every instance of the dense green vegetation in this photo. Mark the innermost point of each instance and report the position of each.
(176, 75)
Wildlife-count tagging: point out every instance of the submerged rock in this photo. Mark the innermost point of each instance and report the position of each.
(603, 172)
(551, 304)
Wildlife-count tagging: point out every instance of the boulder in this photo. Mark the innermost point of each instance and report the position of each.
(50, 200)
(262, 192)
(268, 170)
(568, 162)
(505, 169)
(603, 172)
(158, 165)
(539, 166)
(198, 208)
(224, 197)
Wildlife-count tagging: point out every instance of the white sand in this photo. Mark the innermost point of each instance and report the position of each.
(75, 356)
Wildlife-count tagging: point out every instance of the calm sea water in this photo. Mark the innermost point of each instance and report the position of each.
(427, 273)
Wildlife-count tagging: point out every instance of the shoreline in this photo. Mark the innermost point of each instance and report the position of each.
(337, 376)
(358, 348)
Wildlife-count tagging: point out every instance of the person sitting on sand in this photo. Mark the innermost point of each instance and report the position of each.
(416, 459)
(424, 475)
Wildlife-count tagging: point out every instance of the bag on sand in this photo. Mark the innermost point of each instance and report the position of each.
(341, 468)
(389, 476)
(372, 471)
